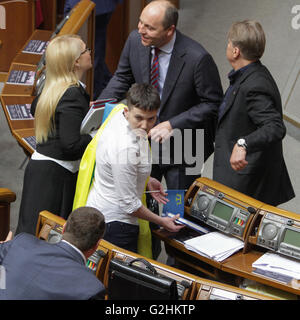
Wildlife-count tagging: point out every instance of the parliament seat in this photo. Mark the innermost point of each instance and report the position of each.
(190, 287)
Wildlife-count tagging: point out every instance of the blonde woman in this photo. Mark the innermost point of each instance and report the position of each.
(50, 176)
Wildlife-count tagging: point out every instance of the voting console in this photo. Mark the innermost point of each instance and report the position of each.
(277, 230)
(220, 207)
(234, 213)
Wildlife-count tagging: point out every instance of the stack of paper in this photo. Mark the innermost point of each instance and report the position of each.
(278, 267)
(214, 245)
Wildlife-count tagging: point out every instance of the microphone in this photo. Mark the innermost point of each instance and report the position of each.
(251, 210)
(61, 24)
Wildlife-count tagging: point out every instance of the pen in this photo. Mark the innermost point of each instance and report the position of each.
(159, 191)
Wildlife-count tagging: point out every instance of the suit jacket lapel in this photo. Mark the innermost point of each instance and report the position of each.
(230, 100)
(84, 92)
(175, 66)
(145, 59)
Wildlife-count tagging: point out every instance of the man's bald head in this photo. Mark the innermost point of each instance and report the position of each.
(157, 23)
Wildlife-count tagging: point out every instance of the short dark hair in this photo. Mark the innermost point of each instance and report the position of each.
(249, 37)
(84, 228)
(143, 96)
(171, 16)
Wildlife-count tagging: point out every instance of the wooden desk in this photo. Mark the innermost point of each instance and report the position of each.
(30, 58)
(18, 90)
(19, 23)
(6, 197)
(199, 288)
(19, 128)
(238, 265)
(241, 265)
(24, 133)
(16, 124)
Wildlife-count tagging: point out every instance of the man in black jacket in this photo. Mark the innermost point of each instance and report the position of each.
(248, 148)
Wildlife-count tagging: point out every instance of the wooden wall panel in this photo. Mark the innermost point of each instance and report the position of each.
(15, 31)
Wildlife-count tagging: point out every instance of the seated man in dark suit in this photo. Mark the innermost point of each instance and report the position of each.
(35, 269)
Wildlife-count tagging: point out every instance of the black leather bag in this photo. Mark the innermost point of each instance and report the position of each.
(130, 282)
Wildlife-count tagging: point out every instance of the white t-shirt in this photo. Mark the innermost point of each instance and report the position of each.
(123, 163)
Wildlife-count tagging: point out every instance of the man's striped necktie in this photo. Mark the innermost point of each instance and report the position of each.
(155, 69)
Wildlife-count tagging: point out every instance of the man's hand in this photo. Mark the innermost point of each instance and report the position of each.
(8, 238)
(238, 158)
(161, 132)
(159, 194)
(170, 225)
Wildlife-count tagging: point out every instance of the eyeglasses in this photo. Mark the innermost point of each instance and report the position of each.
(87, 49)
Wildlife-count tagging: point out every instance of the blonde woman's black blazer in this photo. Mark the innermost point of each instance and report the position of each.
(66, 142)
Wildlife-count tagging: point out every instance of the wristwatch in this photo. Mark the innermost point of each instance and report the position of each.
(242, 143)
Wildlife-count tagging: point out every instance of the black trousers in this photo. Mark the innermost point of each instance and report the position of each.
(123, 235)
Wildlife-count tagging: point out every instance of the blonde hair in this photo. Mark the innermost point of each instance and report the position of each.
(61, 55)
(249, 37)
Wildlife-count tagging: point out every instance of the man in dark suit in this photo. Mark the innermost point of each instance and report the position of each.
(248, 150)
(103, 12)
(188, 83)
(35, 269)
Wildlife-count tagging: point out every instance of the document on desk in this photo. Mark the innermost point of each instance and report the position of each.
(271, 264)
(214, 245)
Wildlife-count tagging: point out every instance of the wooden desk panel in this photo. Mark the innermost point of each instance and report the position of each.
(81, 14)
(18, 26)
(29, 58)
(204, 288)
(23, 133)
(239, 264)
(18, 90)
(6, 197)
(16, 124)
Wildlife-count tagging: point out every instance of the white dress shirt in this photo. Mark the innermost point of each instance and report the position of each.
(123, 163)
(71, 165)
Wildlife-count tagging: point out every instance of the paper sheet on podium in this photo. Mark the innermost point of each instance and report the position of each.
(214, 245)
(274, 264)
